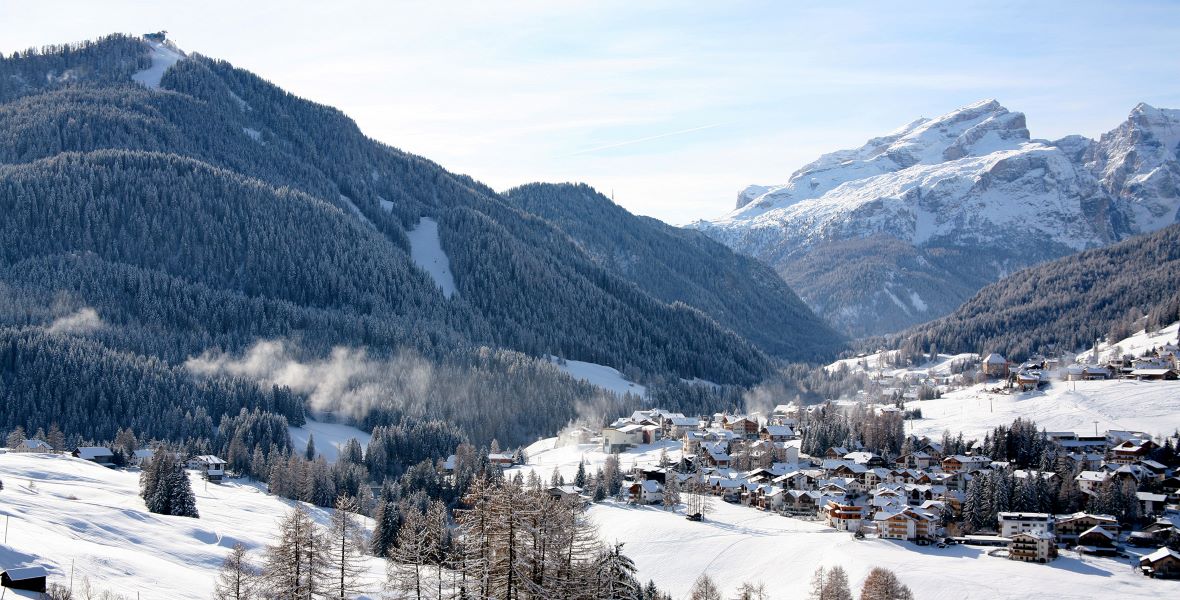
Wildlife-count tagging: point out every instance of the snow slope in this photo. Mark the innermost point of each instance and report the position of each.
(330, 438)
(1134, 345)
(427, 253)
(81, 514)
(544, 456)
(164, 55)
(737, 544)
(1150, 406)
(602, 376)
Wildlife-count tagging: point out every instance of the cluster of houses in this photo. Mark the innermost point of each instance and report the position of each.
(1161, 363)
(917, 497)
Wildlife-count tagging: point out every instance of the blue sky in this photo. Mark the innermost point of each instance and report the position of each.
(672, 107)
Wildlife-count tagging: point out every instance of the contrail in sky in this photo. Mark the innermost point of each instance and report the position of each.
(646, 139)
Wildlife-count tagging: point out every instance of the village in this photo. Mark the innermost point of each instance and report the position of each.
(926, 495)
(922, 494)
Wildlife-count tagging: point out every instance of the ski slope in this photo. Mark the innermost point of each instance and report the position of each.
(330, 438)
(164, 55)
(1150, 406)
(736, 544)
(605, 377)
(65, 512)
(544, 456)
(426, 252)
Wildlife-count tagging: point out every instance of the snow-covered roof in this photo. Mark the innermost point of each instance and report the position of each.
(93, 452)
(1159, 555)
(24, 573)
(1100, 530)
(995, 359)
(1036, 535)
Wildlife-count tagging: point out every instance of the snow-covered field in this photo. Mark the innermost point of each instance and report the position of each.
(68, 513)
(427, 253)
(602, 376)
(330, 438)
(1134, 345)
(737, 544)
(544, 456)
(1150, 406)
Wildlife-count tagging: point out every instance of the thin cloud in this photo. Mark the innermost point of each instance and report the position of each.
(646, 139)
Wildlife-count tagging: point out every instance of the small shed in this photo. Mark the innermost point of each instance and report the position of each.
(24, 578)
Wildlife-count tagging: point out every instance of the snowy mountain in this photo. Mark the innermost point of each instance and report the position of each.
(906, 227)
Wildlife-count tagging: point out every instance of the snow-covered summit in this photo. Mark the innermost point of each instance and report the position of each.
(943, 206)
(973, 130)
(1138, 164)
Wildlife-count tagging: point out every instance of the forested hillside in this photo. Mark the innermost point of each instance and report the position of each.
(218, 211)
(1066, 304)
(682, 265)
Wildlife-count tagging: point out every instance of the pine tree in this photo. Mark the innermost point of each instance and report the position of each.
(165, 488)
(237, 578)
(386, 523)
(580, 476)
(345, 544)
(309, 452)
(617, 574)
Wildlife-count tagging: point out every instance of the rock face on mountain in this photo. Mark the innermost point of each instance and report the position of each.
(908, 226)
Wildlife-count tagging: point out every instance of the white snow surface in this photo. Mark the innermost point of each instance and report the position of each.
(736, 544)
(544, 456)
(605, 377)
(330, 438)
(164, 55)
(1150, 406)
(426, 252)
(1134, 345)
(76, 512)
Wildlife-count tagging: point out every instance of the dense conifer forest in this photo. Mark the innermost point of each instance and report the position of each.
(1066, 304)
(149, 228)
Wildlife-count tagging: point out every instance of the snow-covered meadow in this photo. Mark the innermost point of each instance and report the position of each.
(736, 544)
(68, 514)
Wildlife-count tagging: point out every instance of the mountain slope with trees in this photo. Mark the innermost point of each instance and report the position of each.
(218, 211)
(1066, 304)
(679, 265)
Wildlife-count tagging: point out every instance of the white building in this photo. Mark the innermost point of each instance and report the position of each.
(1012, 523)
(618, 439)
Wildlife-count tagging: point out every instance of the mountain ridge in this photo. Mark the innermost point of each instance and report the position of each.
(947, 205)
